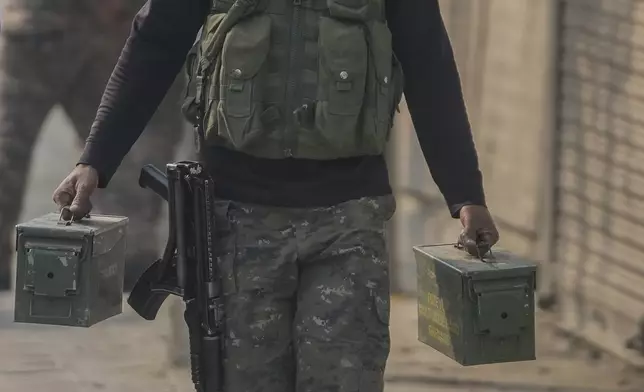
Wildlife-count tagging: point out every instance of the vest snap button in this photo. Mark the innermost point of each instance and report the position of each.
(237, 73)
(344, 75)
(386, 80)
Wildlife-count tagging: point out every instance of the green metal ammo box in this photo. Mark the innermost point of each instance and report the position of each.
(70, 273)
(476, 311)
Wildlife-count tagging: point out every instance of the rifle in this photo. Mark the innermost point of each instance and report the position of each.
(187, 268)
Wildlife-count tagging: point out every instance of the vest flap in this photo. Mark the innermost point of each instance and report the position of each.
(246, 47)
(343, 48)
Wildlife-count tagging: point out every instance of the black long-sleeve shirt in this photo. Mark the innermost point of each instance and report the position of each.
(164, 31)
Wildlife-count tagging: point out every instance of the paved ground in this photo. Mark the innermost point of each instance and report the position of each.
(127, 354)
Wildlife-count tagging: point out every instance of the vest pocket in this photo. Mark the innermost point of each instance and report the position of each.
(343, 61)
(240, 80)
(349, 9)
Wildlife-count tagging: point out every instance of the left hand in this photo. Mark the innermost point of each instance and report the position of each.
(479, 231)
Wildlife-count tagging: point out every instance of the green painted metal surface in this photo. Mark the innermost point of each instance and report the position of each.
(69, 273)
(476, 312)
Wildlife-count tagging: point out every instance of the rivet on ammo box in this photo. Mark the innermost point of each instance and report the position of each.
(476, 311)
(69, 273)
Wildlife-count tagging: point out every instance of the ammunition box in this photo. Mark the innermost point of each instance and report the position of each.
(70, 273)
(476, 312)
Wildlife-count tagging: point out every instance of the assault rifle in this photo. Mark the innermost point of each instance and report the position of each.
(187, 268)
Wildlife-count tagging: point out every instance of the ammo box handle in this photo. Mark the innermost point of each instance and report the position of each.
(62, 221)
(458, 245)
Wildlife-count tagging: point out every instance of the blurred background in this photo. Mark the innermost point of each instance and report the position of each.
(553, 88)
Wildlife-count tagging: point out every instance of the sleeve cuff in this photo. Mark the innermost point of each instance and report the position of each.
(93, 156)
(455, 209)
(466, 194)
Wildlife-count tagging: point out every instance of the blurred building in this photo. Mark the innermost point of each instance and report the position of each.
(553, 89)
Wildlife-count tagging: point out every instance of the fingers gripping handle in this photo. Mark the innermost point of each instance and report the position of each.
(67, 216)
(478, 247)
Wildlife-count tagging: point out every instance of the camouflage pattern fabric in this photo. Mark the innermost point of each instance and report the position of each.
(307, 296)
(71, 69)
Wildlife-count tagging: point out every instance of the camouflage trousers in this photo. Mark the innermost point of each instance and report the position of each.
(71, 69)
(307, 296)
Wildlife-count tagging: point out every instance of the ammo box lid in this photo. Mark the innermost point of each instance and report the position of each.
(496, 264)
(51, 225)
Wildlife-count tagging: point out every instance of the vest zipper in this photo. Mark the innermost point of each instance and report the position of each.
(291, 87)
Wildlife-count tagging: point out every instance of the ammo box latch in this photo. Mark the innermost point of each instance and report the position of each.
(51, 271)
(503, 307)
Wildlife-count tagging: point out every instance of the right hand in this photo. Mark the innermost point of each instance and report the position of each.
(75, 191)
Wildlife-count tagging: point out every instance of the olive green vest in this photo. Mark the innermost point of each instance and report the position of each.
(312, 79)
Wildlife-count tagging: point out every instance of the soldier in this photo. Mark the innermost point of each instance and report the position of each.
(63, 52)
(296, 100)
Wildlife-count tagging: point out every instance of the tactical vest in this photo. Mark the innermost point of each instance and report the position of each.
(312, 79)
